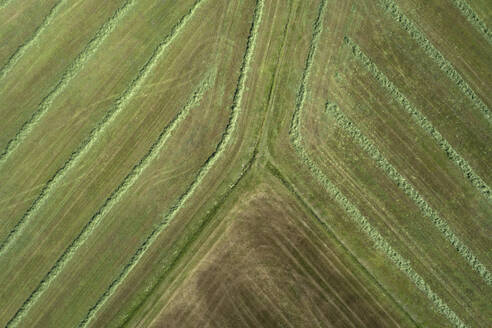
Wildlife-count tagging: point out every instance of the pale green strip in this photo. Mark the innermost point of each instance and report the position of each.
(378, 240)
(391, 7)
(14, 58)
(100, 127)
(421, 120)
(473, 19)
(211, 160)
(73, 69)
(409, 190)
(4, 3)
(114, 198)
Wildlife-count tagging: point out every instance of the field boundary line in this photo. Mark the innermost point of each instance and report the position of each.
(370, 148)
(70, 72)
(210, 161)
(420, 119)
(394, 11)
(473, 18)
(21, 50)
(275, 171)
(177, 252)
(352, 211)
(115, 196)
(120, 103)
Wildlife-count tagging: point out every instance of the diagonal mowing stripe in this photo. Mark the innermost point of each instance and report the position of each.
(23, 48)
(211, 160)
(392, 9)
(115, 196)
(72, 70)
(421, 120)
(402, 183)
(473, 18)
(108, 118)
(352, 211)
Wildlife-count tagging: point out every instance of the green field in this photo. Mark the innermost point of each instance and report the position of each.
(245, 163)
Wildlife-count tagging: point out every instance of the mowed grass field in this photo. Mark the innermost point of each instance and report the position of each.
(249, 163)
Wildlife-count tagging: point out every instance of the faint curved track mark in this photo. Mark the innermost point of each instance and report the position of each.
(394, 11)
(353, 212)
(223, 143)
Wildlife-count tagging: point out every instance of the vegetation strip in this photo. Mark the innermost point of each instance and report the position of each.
(72, 70)
(391, 7)
(115, 196)
(4, 3)
(180, 248)
(21, 50)
(276, 172)
(84, 147)
(409, 190)
(225, 139)
(473, 18)
(354, 213)
(421, 120)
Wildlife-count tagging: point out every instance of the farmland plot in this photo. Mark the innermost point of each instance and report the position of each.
(246, 163)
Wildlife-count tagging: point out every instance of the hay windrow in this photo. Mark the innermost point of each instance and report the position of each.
(421, 120)
(99, 129)
(211, 160)
(72, 70)
(369, 147)
(473, 19)
(114, 198)
(394, 11)
(353, 212)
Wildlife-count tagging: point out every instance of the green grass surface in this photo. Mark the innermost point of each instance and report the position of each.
(214, 163)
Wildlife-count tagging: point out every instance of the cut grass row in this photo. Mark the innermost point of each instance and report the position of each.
(38, 70)
(142, 291)
(473, 18)
(417, 157)
(409, 190)
(14, 58)
(421, 120)
(122, 231)
(86, 145)
(377, 239)
(267, 225)
(115, 196)
(181, 248)
(4, 3)
(18, 23)
(394, 11)
(72, 70)
(223, 143)
(340, 245)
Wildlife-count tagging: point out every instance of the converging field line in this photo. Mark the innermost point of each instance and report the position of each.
(22, 49)
(115, 196)
(473, 18)
(288, 184)
(420, 119)
(72, 70)
(392, 9)
(84, 147)
(211, 160)
(402, 183)
(353, 212)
